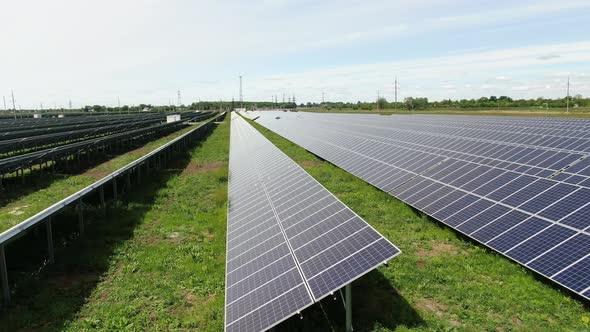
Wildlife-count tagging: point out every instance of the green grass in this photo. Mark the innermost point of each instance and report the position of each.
(23, 202)
(155, 263)
(573, 113)
(440, 281)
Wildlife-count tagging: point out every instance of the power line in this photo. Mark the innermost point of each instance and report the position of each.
(567, 101)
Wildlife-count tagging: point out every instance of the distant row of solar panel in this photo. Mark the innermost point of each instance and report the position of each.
(520, 186)
(290, 242)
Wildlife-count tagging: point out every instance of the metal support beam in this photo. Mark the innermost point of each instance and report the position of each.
(115, 189)
(4, 276)
(348, 304)
(80, 217)
(101, 194)
(128, 180)
(50, 241)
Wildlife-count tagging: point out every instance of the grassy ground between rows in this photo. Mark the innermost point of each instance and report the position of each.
(440, 281)
(29, 199)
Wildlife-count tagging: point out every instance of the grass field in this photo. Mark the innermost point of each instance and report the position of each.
(21, 202)
(157, 261)
(573, 113)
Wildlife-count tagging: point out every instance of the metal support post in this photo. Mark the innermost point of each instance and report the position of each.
(50, 241)
(128, 180)
(115, 189)
(4, 276)
(348, 304)
(101, 194)
(80, 217)
(139, 173)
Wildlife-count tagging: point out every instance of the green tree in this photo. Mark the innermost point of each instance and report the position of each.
(381, 103)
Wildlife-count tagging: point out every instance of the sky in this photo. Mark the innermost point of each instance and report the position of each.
(93, 52)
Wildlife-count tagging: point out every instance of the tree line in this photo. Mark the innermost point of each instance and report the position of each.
(409, 103)
(422, 103)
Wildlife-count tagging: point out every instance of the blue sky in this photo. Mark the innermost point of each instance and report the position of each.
(144, 51)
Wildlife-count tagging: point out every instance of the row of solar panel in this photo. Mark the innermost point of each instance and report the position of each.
(544, 132)
(289, 241)
(532, 160)
(539, 222)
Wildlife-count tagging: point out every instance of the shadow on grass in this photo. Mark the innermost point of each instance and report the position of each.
(46, 297)
(375, 303)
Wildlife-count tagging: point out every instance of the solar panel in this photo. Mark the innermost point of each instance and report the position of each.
(290, 242)
(518, 185)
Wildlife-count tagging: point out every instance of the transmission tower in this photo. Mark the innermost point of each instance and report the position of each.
(179, 98)
(13, 103)
(4, 99)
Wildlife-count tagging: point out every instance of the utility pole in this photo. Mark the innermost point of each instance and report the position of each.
(119, 104)
(395, 92)
(323, 99)
(70, 104)
(13, 104)
(567, 101)
(179, 98)
(378, 107)
(241, 95)
(294, 99)
(41, 104)
(283, 97)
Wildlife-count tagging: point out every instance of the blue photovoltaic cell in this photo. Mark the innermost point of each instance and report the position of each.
(577, 277)
(579, 219)
(511, 187)
(468, 212)
(547, 198)
(528, 192)
(484, 218)
(566, 205)
(540, 243)
(522, 167)
(497, 182)
(455, 207)
(562, 256)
